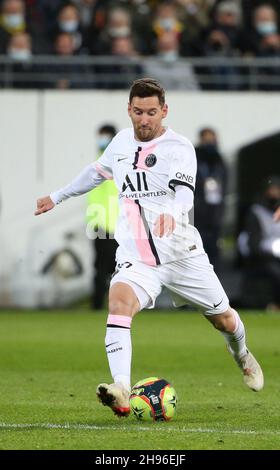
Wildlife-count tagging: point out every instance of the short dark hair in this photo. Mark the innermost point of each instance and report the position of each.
(107, 129)
(145, 87)
(205, 130)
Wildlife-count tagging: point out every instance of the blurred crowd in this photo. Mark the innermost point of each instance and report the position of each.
(132, 29)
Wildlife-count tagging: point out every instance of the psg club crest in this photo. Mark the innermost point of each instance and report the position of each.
(150, 160)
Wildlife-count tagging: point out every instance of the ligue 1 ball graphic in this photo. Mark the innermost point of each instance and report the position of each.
(153, 399)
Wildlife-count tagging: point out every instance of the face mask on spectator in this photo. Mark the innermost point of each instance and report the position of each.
(170, 56)
(13, 20)
(167, 23)
(272, 203)
(69, 26)
(211, 149)
(266, 27)
(119, 32)
(19, 55)
(103, 141)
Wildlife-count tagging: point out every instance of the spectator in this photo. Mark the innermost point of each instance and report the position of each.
(66, 74)
(141, 13)
(68, 21)
(118, 26)
(86, 9)
(166, 20)
(221, 40)
(123, 47)
(263, 40)
(269, 76)
(20, 70)
(195, 15)
(210, 192)
(41, 14)
(97, 23)
(265, 23)
(259, 243)
(12, 21)
(102, 214)
(228, 20)
(64, 44)
(174, 72)
(20, 48)
(119, 75)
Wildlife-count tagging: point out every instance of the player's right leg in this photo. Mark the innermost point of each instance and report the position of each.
(134, 286)
(123, 305)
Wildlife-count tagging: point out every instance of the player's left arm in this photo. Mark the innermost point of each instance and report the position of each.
(182, 177)
(182, 204)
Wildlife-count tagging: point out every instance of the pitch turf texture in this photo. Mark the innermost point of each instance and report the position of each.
(51, 363)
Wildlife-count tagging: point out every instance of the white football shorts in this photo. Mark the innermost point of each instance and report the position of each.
(190, 281)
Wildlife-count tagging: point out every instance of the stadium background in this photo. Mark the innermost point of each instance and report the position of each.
(220, 68)
(52, 359)
(51, 147)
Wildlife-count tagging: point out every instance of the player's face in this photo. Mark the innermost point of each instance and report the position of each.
(146, 115)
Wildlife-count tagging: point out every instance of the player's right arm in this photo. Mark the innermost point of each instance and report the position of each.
(91, 177)
(88, 179)
(44, 204)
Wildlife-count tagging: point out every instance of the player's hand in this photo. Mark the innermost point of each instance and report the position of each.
(164, 225)
(276, 215)
(44, 204)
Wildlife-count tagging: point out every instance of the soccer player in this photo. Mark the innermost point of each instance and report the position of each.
(154, 169)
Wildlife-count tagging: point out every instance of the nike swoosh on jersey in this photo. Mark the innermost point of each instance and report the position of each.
(120, 159)
(217, 305)
(107, 345)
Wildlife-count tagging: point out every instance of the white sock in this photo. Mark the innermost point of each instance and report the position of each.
(118, 348)
(237, 339)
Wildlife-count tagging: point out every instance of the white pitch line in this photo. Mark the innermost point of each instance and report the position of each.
(92, 427)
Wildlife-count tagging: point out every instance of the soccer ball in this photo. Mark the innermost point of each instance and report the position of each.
(153, 399)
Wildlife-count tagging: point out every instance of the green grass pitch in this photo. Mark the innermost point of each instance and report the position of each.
(51, 362)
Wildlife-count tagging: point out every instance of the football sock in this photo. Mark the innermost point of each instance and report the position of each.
(236, 339)
(118, 348)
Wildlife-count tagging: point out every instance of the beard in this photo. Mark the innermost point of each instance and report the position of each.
(145, 134)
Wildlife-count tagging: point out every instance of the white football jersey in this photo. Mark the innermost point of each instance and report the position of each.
(145, 174)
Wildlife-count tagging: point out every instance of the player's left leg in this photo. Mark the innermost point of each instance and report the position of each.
(232, 328)
(194, 279)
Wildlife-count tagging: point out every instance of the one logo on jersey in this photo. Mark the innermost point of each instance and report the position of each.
(183, 177)
(193, 247)
(126, 264)
(150, 160)
(139, 185)
(120, 159)
(217, 305)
